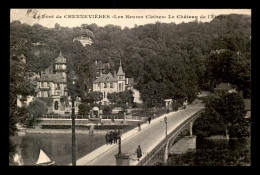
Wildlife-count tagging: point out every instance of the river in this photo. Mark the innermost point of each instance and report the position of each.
(56, 146)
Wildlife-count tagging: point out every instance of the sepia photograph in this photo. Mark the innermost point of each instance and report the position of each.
(130, 87)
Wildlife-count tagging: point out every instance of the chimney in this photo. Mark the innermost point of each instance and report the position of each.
(96, 62)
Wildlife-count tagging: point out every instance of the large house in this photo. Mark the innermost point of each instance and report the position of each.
(52, 84)
(108, 83)
(84, 40)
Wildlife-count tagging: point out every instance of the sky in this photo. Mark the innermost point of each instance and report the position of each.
(122, 17)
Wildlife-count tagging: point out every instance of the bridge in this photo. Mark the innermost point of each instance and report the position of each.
(152, 139)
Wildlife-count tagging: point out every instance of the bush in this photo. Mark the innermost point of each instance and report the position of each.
(84, 109)
(106, 109)
(47, 100)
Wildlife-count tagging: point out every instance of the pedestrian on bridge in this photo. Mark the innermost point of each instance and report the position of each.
(107, 138)
(115, 137)
(149, 119)
(139, 152)
(111, 137)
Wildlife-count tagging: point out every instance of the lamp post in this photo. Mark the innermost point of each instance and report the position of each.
(165, 120)
(73, 129)
(119, 145)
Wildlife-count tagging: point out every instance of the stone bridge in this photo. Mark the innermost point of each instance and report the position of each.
(159, 154)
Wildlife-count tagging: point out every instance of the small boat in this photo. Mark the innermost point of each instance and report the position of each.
(44, 160)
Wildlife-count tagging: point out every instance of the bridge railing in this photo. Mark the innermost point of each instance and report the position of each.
(163, 143)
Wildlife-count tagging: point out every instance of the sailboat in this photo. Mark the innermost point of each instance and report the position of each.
(44, 160)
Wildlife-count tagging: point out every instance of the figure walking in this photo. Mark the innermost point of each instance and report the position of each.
(115, 136)
(111, 137)
(139, 152)
(149, 119)
(107, 138)
(139, 126)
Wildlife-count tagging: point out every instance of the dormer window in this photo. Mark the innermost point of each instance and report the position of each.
(107, 78)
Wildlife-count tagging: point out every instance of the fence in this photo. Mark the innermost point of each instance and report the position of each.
(65, 117)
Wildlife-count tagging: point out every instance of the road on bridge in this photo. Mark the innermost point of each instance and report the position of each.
(147, 138)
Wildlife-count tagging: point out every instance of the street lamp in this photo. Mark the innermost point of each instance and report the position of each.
(119, 145)
(73, 128)
(165, 120)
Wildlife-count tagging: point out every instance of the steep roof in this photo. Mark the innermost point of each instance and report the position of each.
(103, 78)
(60, 59)
(120, 70)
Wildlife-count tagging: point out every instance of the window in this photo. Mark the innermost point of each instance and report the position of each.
(111, 85)
(42, 94)
(104, 94)
(56, 105)
(119, 86)
(105, 85)
(107, 78)
(45, 94)
(58, 93)
(45, 84)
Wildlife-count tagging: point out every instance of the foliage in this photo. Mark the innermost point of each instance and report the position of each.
(64, 99)
(215, 157)
(121, 97)
(19, 74)
(37, 108)
(226, 113)
(112, 97)
(107, 109)
(84, 109)
(47, 100)
(96, 96)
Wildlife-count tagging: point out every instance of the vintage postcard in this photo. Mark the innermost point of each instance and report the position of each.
(130, 87)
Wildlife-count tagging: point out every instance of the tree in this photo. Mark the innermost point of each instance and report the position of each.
(112, 97)
(84, 109)
(224, 116)
(20, 84)
(96, 96)
(232, 109)
(37, 108)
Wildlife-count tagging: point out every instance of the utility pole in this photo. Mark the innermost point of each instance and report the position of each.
(73, 128)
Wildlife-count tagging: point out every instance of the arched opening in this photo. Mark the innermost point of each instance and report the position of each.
(56, 105)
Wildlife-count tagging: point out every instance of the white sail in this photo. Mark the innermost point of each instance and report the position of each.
(43, 158)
